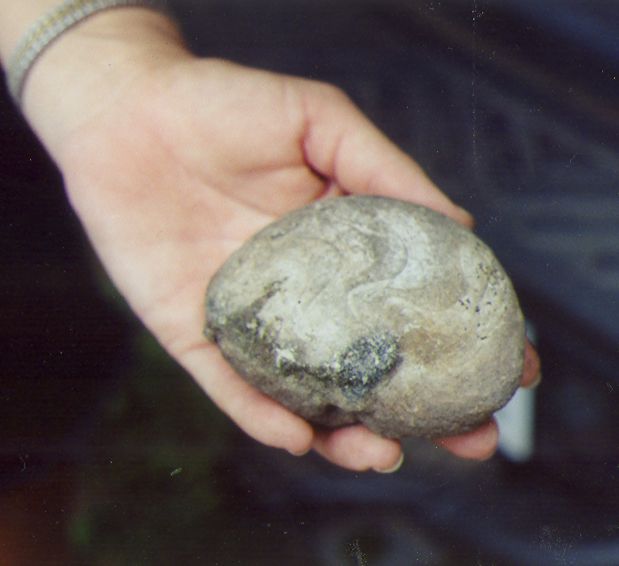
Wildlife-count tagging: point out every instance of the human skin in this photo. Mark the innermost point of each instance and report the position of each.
(171, 162)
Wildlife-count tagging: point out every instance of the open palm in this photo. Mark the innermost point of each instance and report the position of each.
(190, 162)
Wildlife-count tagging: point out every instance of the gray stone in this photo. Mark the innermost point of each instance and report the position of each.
(371, 310)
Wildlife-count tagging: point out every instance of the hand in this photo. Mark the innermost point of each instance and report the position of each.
(186, 159)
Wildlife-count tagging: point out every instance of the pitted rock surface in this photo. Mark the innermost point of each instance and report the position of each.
(372, 310)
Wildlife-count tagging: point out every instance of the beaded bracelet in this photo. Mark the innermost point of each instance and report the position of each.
(51, 26)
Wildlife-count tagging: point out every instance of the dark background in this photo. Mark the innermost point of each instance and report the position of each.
(109, 454)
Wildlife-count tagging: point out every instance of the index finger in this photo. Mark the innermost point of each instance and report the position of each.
(342, 144)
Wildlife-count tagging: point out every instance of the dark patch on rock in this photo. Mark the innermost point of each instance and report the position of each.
(368, 360)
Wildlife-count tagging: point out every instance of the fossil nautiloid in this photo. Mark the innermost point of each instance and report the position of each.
(371, 310)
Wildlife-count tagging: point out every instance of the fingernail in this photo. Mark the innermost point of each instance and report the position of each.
(466, 217)
(535, 382)
(299, 452)
(394, 468)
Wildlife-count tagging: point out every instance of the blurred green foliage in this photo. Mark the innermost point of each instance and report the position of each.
(149, 494)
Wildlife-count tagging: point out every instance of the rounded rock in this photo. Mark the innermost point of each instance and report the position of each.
(371, 310)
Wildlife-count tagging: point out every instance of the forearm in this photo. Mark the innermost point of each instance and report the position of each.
(87, 67)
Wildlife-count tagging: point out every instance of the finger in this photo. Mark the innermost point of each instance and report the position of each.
(532, 373)
(258, 415)
(332, 189)
(479, 444)
(357, 448)
(341, 143)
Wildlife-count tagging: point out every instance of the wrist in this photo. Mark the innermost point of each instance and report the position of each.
(91, 65)
(16, 17)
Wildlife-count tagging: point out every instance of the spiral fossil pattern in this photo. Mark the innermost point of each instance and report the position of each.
(372, 310)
